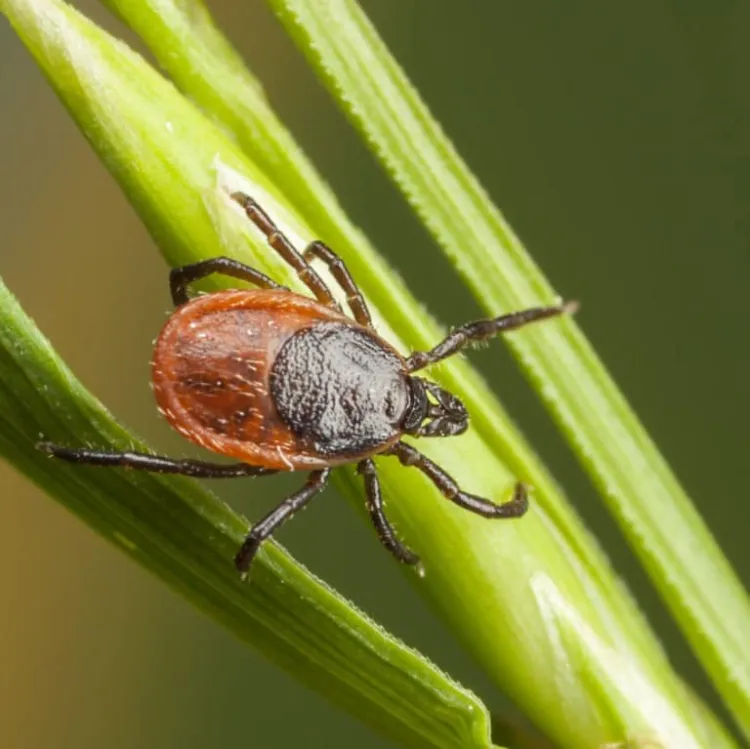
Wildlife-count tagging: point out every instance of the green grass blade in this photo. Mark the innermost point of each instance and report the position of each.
(678, 551)
(535, 601)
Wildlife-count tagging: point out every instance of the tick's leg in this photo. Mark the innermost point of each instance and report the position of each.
(316, 481)
(483, 329)
(198, 469)
(385, 531)
(344, 279)
(286, 249)
(514, 508)
(179, 278)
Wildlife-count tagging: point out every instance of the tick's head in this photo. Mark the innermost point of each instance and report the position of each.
(433, 412)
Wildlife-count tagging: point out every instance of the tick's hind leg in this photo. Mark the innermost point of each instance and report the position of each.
(265, 527)
(384, 529)
(344, 279)
(198, 469)
(514, 508)
(180, 278)
(279, 242)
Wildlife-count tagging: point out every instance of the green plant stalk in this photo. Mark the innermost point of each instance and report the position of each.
(682, 558)
(554, 629)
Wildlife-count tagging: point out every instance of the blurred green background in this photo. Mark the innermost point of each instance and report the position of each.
(616, 139)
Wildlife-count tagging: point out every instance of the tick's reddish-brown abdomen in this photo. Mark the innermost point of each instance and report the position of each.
(211, 368)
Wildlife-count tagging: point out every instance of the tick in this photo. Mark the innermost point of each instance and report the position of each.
(284, 382)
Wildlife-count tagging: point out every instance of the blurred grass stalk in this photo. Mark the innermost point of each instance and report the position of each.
(535, 601)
